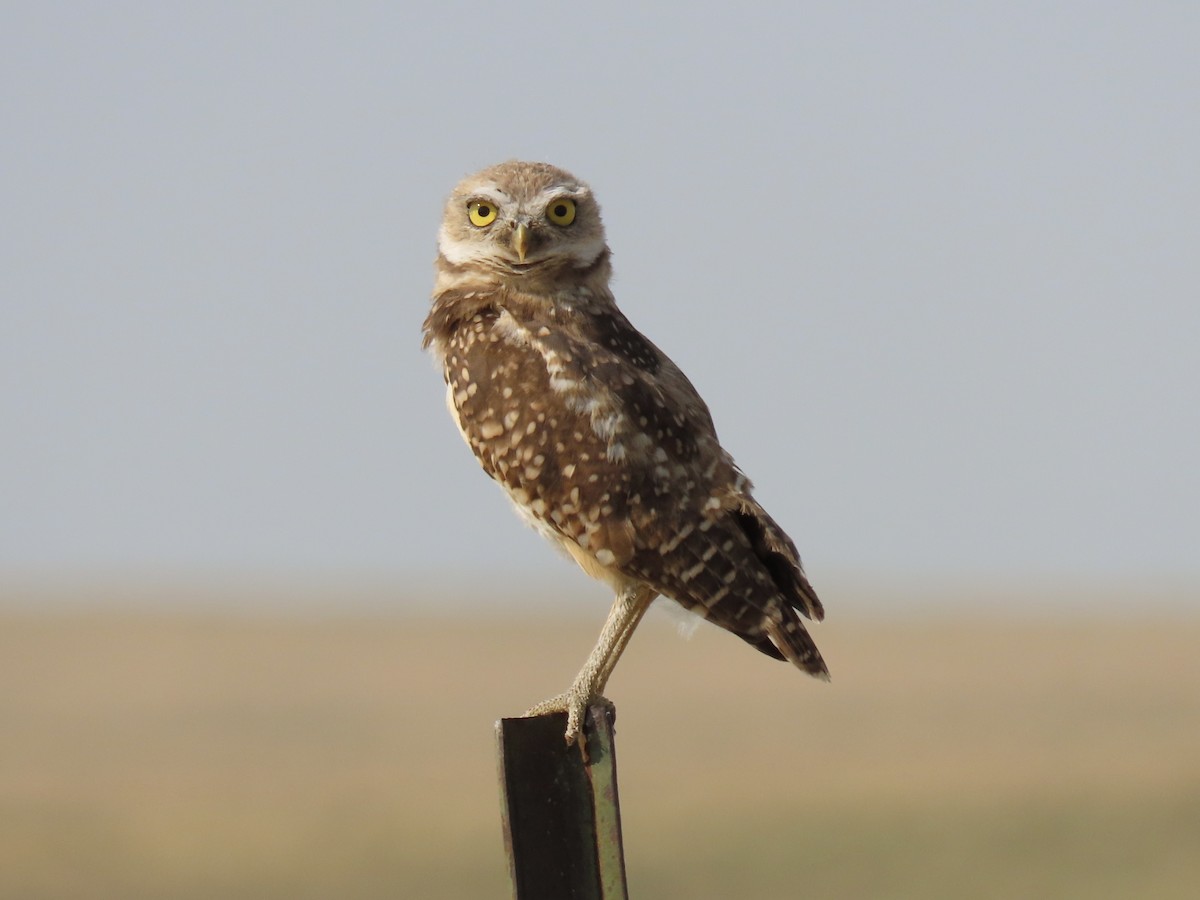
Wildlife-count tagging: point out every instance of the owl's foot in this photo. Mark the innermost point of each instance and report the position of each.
(574, 703)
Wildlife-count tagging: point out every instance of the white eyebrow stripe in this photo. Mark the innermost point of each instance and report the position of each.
(557, 192)
(493, 195)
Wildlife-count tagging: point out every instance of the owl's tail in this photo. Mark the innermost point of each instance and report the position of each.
(776, 551)
(792, 639)
(786, 637)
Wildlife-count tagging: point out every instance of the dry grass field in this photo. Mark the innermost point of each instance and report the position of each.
(220, 755)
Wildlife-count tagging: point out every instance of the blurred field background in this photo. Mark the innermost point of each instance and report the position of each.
(262, 752)
(933, 267)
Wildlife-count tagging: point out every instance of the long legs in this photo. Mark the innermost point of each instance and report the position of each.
(587, 688)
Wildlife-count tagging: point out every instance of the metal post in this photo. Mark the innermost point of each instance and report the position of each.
(562, 819)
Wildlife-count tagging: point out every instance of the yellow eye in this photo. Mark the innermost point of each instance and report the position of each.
(561, 212)
(481, 213)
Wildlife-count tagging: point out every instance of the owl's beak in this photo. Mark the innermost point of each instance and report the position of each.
(520, 241)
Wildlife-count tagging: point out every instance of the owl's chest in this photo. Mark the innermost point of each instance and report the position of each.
(498, 392)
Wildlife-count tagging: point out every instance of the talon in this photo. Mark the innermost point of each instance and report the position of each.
(575, 705)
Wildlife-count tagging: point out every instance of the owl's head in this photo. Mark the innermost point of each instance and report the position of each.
(522, 222)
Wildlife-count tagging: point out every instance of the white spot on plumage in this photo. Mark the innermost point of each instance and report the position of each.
(716, 596)
(676, 539)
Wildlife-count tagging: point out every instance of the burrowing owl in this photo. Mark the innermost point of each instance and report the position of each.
(599, 440)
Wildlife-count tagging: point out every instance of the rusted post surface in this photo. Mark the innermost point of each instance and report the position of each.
(562, 818)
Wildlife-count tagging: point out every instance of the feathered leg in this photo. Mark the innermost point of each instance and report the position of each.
(587, 688)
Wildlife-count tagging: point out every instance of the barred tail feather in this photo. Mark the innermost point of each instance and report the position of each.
(778, 554)
(793, 641)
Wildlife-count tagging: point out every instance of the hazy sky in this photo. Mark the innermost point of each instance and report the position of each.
(934, 266)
